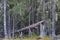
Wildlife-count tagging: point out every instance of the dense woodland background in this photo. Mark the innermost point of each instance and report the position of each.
(22, 13)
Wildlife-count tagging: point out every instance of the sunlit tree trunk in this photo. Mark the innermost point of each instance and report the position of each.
(42, 27)
(42, 30)
(5, 30)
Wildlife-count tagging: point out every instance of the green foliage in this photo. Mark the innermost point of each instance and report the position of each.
(11, 1)
(20, 8)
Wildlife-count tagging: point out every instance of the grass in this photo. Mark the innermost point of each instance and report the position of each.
(46, 38)
(25, 38)
(31, 38)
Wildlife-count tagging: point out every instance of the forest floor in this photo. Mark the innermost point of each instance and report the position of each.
(33, 37)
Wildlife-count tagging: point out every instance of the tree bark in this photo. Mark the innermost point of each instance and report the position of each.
(13, 27)
(53, 16)
(42, 27)
(9, 29)
(5, 30)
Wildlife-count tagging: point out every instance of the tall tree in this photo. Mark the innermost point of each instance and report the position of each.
(53, 16)
(13, 27)
(5, 30)
(42, 26)
(8, 27)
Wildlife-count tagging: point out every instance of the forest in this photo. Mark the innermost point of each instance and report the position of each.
(29, 19)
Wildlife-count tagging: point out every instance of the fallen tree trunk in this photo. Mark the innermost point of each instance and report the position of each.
(31, 26)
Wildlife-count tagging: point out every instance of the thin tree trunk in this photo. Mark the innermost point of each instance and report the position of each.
(42, 30)
(32, 12)
(29, 22)
(43, 10)
(29, 28)
(53, 17)
(9, 30)
(5, 30)
(13, 26)
(42, 27)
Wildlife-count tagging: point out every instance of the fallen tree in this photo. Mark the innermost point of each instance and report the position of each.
(31, 26)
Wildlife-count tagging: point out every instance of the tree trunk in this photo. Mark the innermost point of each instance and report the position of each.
(5, 30)
(53, 16)
(9, 29)
(13, 27)
(42, 30)
(42, 27)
